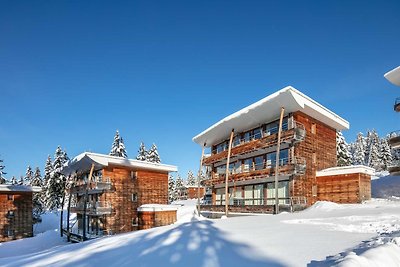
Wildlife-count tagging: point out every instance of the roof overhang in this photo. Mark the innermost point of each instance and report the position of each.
(83, 163)
(268, 109)
(393, 76)
(346, 170)
(19, 188)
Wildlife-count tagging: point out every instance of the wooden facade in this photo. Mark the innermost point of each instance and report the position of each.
(308, 145)
(344, 188)
(16, 220)
(113, 197)
(192, 192)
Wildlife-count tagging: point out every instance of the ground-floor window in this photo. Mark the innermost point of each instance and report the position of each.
(283, 193)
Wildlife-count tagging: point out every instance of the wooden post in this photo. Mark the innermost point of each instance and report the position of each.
(198, 179)
(227, 173)
(278, 148)
(84, 202)
(69, 210)
(62, 209)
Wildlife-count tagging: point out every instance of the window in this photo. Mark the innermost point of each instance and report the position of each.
(135, 221)
(248, 195)
(283, 157)
(10, 197)
(283, 193)
(259, 162)
(134, 197)
(248, 165)
(220, 197)
(236, 140)
(313, 128)
(10, 214)
(247, 136)
(314, 158)
(133, 174)
(257, 133)
(314, 190)
(10, 233)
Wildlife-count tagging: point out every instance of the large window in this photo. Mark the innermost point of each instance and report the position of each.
(248, 165)
(283, 158)
(272, 128)
(259, 162)
(220, 197)
(283, 193)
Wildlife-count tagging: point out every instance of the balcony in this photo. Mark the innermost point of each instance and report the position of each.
(294, 166)
(93, 208)
(98, 185)
(396, 106)
(394, 169)
(394, 139)
(261, 141)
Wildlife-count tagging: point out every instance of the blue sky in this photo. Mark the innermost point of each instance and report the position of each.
(72, 72)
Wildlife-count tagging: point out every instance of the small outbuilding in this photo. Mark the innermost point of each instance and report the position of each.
(16, 220)
(155, 215)
(349, 184)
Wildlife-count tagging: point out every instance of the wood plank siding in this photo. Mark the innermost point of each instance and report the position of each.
(15, 215)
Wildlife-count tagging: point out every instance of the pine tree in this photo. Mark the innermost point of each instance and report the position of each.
(28, 176)
(373, 150)
(191, 180)
(142, 152)
(13, 180)
(118, 147)
(359, 153)
(37, 197)
(342, 150)
(152, 155)
(180, 190)
(171, 189)
(385, 154)
(55, 184)
(37, 178)
(2, 173)
(21, 180)
(48, 169)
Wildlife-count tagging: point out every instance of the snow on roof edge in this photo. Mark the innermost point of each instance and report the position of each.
(393, 76)
(301, 100)
(105, 160)
(19, 188)
(157, 207)
(346, 170)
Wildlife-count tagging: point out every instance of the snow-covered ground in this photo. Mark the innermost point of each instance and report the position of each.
(326, 234)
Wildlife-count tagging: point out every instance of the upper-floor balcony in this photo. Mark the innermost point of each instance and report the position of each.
(394, 139)
(261, 140)
(94, 186)
(396, 106)
(287, 167)
(93, 208)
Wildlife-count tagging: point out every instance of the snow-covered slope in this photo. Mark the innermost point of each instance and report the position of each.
(386, 187)
(323, 235)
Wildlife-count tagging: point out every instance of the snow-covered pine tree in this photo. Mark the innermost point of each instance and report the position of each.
(171, 189)
(342, 150)
(142, 152)
(385, 154)
(14, 180)
(55, 184)
(21, 180)
(359, 146)
(152, 155)
(48, 169)
(2, 172)
(37, 197)
(28, 175)
(191, 180)
(180, 190)
(118, 147)
(373, 150)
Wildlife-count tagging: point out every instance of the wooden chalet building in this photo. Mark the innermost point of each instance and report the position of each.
(394, 138)
(16, 220)
(249, 140)
(107, 192)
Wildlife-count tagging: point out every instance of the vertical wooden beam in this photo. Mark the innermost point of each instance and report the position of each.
(278, 149)
(84, 203)
(227, 173)
(69, 209)
(198, 179)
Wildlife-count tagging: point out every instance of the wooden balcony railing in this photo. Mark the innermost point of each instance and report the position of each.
(93, 208)
(394, 139)
(92, 187)
(293, 135)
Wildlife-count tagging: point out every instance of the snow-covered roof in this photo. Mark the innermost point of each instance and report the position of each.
(393, 76)
(268, 109)
(157, 207)
(84, 161)
(19, 188)
(346, 170)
